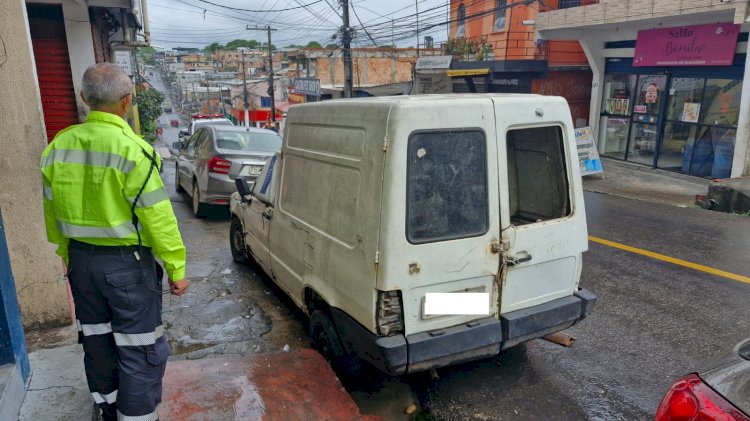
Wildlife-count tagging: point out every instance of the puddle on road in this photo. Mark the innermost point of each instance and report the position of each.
(221, 320)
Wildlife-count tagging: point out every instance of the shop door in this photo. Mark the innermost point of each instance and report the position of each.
(644, 130)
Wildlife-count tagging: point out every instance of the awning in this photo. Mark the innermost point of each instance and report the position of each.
(468, 72)
(284, 106)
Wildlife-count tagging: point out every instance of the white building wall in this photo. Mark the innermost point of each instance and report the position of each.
(80, 46)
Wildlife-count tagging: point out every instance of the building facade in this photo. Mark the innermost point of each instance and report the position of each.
(670, 80)
(494, 48)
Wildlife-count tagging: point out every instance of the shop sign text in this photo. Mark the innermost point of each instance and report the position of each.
(700, 45)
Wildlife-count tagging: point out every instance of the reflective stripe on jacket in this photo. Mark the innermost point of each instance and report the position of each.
(91, 174)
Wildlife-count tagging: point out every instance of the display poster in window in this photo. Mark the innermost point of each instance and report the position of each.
(588, 156)
(618, 106)
(690, 112)
(641, 109)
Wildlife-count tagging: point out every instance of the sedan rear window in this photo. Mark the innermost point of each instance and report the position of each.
(248, 141)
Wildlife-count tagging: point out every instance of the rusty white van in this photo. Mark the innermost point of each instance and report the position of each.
(422, 231)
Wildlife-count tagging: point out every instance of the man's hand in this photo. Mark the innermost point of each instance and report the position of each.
(178, 287)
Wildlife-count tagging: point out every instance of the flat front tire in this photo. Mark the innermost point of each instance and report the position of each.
(237, 242)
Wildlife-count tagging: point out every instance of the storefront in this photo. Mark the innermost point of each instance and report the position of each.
(675, 105)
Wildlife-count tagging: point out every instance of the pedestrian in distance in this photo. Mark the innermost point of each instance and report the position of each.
(107, 211)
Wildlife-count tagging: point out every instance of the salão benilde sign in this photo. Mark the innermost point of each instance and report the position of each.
(699, 45)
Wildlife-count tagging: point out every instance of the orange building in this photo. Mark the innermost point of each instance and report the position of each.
(495, 49)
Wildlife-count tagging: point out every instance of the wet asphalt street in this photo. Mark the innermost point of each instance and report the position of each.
(654, 321)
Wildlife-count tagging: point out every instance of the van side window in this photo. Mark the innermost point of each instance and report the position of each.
(537, 175)
(447, 186)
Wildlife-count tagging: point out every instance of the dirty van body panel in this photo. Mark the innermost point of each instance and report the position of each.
(440, 215)
(259, 213)
(325, 227)
(543, 217)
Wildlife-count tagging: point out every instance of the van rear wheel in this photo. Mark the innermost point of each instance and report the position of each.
(326, 341)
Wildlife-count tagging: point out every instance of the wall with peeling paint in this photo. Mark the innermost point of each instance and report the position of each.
(41, 287)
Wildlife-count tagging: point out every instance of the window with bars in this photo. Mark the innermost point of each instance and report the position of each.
(501, 6)
(564, 4)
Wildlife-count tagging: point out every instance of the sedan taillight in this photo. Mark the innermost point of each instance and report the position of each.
(689, 399)
(219, 165)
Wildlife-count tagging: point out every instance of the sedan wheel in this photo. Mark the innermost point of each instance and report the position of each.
(199, 209)
(178, 188)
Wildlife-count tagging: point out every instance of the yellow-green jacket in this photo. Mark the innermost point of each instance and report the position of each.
(91, 174)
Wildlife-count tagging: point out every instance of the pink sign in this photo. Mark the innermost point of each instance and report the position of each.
(701, 45)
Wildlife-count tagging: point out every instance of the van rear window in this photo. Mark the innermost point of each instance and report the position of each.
(537, 176)
(447, 186)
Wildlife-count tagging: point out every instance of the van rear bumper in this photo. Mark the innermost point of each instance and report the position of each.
(477, 339)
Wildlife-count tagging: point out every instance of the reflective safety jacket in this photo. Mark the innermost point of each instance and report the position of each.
(91, 174)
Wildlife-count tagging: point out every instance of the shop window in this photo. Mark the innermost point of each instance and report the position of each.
(685, 96)
(537, 176)
(722, 102)
(447, 186)
(676, 146)
(617, 97)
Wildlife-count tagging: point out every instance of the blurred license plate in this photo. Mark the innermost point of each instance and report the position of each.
(250, 170)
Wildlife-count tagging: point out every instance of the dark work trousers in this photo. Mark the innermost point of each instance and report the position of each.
(118, 310)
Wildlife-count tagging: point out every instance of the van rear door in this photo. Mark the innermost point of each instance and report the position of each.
(542, 214)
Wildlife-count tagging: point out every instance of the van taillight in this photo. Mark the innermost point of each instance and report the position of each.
(689, 399)
(219, 165)
(390, 314)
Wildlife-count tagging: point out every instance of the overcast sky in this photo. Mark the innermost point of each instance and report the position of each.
(197, 23)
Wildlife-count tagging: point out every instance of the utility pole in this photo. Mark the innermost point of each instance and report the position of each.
(244, 89)
(271, 92)
(347, 40)
(416, 5)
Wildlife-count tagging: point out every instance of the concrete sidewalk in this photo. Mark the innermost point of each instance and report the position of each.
(296, 385)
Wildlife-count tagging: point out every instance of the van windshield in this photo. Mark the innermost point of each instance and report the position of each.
(447, 186)
(248, 141)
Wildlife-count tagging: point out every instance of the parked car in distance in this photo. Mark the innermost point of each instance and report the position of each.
(210, 160)
(197, 121)
(721, 391)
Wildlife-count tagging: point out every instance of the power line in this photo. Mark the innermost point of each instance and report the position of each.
(259, 11)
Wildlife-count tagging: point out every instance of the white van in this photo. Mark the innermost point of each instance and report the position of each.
(375, 205)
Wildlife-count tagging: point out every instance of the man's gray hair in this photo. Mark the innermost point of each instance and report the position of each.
(105, 84)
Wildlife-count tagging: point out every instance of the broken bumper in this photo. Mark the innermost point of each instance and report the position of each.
(477, 339)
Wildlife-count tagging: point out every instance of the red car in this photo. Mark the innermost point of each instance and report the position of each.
(174, 123)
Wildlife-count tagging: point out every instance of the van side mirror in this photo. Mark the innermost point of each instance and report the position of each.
(244, 188)
(184, 133)
(177, 145)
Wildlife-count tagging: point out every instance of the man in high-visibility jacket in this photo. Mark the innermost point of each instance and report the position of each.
(106, 208)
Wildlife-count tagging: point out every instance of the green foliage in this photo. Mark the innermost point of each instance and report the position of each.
(147, 53)
(314, 44)
(244, 43)
(149, 109)
(212, 47)
(460, 47)
(333, 46)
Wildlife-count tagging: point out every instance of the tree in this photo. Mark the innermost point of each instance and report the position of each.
(294, 46)
(314, 44)
(212, 47)
(148, 54)
(149, 109)
(237, 43)
(333, 46)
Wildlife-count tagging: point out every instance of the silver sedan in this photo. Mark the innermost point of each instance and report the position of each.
(210, 160)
